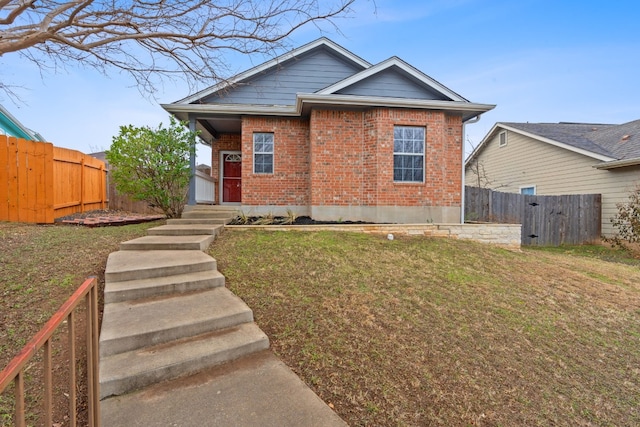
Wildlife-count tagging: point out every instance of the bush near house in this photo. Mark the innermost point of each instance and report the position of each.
(627, 220)
(152, 165)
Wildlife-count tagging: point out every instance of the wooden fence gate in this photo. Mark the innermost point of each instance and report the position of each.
(40, 182)
(546, 220)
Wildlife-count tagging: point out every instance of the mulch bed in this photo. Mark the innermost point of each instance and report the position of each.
(104, 218)
(281, 220)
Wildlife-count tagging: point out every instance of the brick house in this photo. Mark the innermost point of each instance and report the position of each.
(324, 133)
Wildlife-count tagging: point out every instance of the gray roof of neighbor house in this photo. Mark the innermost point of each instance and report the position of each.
(614, 145)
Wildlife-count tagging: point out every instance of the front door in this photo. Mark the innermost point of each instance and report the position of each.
(231, 177)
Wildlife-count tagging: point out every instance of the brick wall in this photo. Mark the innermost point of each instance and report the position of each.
(443, 158)
(345, 158)
(289, 183)
(338, 170)
(352, 158)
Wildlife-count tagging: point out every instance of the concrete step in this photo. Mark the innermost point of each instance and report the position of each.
(207, 214)
(168, 243)
(132, 325)
(216, 208)
(158, 286)
(255, 391)
(208, 221)
(223, 208)
(134, 265)
(125, 372)
(185, 230)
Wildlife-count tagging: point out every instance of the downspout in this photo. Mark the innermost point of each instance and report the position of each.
(476, 119)
(191, 201)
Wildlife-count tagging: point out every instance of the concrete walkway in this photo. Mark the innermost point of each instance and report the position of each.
(178, 348)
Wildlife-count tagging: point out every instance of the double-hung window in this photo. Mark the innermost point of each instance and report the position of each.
(263, 153)
(408, 153)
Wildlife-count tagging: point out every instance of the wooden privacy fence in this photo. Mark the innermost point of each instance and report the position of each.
(40, 182)
(546, 220)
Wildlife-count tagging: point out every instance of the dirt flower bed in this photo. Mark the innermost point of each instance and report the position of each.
(285, 220)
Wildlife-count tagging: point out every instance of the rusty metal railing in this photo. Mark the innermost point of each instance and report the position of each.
(14, 372)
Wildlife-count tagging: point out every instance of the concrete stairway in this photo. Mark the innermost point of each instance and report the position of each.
(211, 215)
(167, 313)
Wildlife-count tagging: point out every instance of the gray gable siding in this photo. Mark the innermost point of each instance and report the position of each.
(306, 74)
(392, 83)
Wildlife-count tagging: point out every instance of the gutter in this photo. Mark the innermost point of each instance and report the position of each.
(201, 110)
(618, 164)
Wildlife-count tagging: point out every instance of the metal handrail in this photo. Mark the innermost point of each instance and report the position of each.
(14, 371)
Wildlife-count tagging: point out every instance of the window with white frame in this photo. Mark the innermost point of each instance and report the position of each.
(263, 153)
(528, 191)
(408, 153)
(502, 138)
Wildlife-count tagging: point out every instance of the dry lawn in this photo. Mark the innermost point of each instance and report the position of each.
(40, 267)
(415, 331)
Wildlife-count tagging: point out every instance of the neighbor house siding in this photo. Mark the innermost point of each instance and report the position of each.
(553, 170)
(306, 74)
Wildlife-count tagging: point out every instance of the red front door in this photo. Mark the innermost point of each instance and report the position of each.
(231, 178)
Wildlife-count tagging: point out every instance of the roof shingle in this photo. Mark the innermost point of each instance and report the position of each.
(616, 141)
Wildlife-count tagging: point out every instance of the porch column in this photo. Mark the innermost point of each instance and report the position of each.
(192, 164)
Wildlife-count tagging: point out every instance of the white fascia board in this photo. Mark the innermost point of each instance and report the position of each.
(274, 62)
(553, 142)
(331, 100)
(480, 146)
(231, 109)
(618, 164)
(370, 101)
(393, 61)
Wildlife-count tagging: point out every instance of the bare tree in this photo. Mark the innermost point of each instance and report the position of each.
(154, 39)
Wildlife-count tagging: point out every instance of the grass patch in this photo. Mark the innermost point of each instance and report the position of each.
(40, 267)
(420, 331)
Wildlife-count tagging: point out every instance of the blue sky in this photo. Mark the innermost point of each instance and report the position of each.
(539, 61)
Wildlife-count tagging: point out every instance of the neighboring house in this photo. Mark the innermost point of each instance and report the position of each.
(322, 132)
(560, 158)
(9, 125)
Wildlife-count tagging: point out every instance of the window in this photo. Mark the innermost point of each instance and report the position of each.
(263, 153)
(408, 154)
(529, 191)
(503, 139)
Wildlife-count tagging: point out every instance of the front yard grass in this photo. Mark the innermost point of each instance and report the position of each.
(40, 267)
(420, 331)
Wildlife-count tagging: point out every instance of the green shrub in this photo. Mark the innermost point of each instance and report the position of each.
(152, 165)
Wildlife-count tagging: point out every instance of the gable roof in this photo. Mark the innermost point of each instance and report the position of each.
(612, 145)
(318, 74)
(338, 50)
(394, 63)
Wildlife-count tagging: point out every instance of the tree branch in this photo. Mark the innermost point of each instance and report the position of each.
(155, 39)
